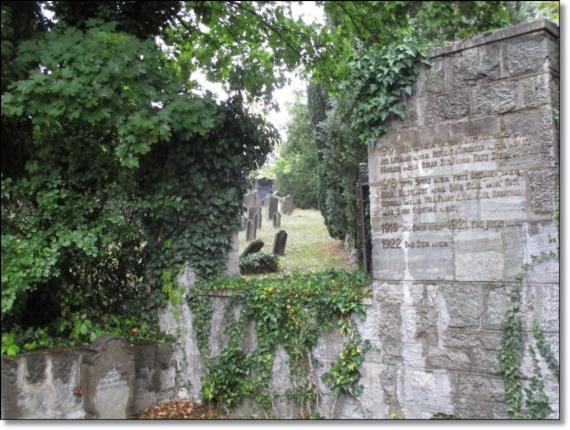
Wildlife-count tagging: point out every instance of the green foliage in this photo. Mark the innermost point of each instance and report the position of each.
(511, 356)
(344, 375)
(78, 329)
(537, 401)
(380, 78)
(258, 262)
(296, 167)
(126, 177)
(292, 312)
(545, 350)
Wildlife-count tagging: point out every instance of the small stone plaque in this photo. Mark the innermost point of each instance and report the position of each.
(107, 379)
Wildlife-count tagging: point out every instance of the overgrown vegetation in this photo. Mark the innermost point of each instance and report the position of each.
(293, 312)
(115, 173)
(258, 262)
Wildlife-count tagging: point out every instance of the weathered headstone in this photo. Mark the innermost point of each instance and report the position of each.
(251, 211)
(252, 248)
(264, 186)
(272, 204)
(257, 218)
(287, 205)
(243, 222)
(276, 220)
(108, 378)
(279, 243)
(250, 230)
(462, 195)
(251, 199)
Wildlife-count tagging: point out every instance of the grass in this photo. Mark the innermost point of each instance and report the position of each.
(309, 246)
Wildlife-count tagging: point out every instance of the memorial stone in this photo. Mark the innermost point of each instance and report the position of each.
(108, 378)
(272, 204)
(257, 218)
(252, 248)
(243, 222)
(279, 243)
(251, 230)
(276, 220)
(287, 205)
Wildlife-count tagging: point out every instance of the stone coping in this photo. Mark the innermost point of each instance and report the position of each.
(494, 36)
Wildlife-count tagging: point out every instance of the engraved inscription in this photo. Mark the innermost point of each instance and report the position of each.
(467, 184)
(113, 379)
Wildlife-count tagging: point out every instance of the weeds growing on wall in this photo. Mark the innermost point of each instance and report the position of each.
(293, 312)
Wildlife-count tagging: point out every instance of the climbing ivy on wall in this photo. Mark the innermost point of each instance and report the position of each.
(293, 311)
(512, 351)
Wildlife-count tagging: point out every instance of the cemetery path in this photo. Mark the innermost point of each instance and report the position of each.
(309, 246)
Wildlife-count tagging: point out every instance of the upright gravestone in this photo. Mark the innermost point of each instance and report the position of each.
(251, 211)
(276, 220)
(251, 199)
(462, 195)
(272, 204)
(257, 218)
(108, 379)
(243, 222)
(279, 243)
(287, 205)
(250, 230)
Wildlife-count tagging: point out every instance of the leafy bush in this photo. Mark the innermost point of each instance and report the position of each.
(258, 262)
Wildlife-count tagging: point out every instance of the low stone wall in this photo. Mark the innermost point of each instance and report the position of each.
(59, 384)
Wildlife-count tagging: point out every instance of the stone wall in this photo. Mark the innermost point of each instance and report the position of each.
(462, 195)
(59, 385)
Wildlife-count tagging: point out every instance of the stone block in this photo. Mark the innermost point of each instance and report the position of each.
(497, 301)
(538, 127)
(549, 307)
(514, 240)
(495, 98)
(478, 255)
(477, 387)
(535, 91)
(463, 305)
(526, 54)
(542, 190)
(443, 107)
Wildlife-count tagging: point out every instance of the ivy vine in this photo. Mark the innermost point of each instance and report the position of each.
(293, 312)
(511, 355)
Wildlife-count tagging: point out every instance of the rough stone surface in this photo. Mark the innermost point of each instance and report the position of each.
(462, 195)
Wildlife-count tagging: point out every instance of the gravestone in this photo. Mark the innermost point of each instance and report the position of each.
(252, 248)
(243, 222)
(250, 230)
(264, 186)
(276, 220)
(462, 195)
(279, 243)
(257, 218)
(251, 211)
(108, 379)
(272, 204)
(287, 205)
(251, 199)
